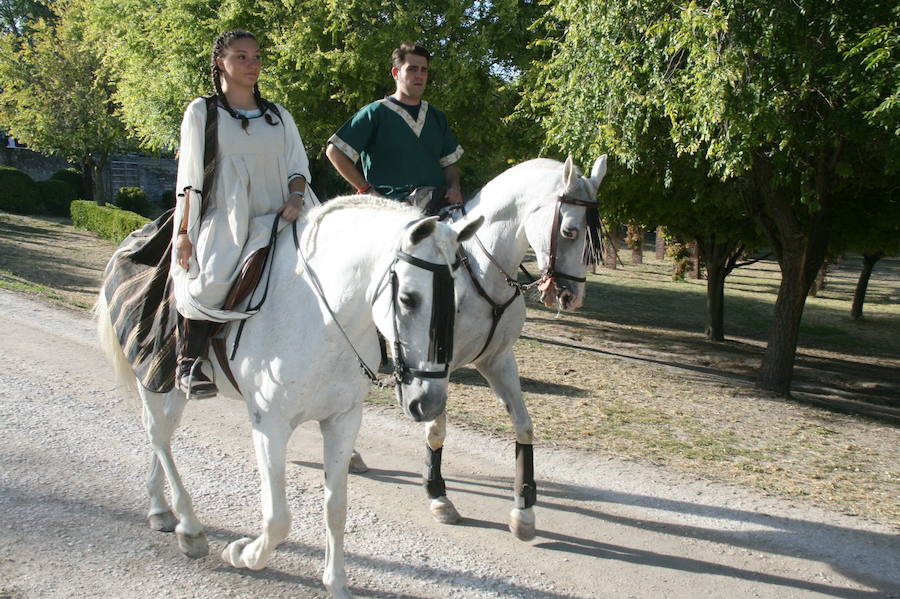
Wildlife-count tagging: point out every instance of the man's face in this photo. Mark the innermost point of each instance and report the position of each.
(412, 76)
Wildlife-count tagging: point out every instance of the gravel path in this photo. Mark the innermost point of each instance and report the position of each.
(73, 461)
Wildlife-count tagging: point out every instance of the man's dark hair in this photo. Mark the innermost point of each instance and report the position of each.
(399, 55)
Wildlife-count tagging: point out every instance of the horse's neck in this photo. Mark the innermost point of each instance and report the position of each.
(503, 231)
(349, 252)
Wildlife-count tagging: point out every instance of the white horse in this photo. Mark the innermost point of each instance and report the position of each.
(542, 203)
(293, 363)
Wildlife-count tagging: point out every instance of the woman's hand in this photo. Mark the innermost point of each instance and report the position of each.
(292, 208)
(184, 249)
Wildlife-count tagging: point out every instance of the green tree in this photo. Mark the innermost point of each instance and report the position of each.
(57, 98)
(16, 16)
(325, 60)
(769, 96)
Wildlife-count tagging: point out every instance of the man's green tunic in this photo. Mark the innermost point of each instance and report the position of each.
(396, 153)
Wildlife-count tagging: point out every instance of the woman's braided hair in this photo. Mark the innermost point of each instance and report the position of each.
(219, 46)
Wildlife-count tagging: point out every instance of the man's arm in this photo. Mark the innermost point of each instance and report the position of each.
(347, 169)
(453, 194)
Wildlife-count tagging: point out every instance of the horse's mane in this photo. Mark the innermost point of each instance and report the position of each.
(364, 202)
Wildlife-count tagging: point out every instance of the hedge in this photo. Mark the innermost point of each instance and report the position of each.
(107, 221)
(56, 196)
(18, 193)
(167, 200)
(134, 199)
(73, 177)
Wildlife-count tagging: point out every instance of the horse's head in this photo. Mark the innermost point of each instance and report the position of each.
(558, 230)
(418, 310)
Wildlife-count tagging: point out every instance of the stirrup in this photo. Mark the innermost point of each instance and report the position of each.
(193, 383)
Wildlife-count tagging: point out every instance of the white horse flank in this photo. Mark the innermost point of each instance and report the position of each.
(289, 356)
(543, 204)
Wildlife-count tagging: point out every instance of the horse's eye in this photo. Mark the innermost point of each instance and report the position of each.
(569, 233)
(409, 300)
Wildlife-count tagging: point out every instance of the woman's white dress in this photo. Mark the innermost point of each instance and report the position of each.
(253, 169)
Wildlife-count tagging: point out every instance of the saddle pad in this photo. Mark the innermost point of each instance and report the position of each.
(138, 291)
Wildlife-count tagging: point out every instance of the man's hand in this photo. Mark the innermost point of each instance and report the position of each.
(453, 195)
(184, 249)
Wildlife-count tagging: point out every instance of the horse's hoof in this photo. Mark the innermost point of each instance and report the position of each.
(194, 546)
(521, 524)
(339, 593)
(443, 511)
(232, 553)
(357, 465)
(237, 555)
(164, 522)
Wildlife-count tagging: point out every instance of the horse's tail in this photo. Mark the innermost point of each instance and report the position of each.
(109, 343)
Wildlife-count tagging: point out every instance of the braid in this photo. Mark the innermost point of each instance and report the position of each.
(265, 106)
(219, 46)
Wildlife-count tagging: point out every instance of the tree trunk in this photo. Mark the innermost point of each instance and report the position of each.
(610, 245)
(777, 367)
(859, 296)
(718, 258)
(660, 243)
(636, 243)
(799, 241)
(695, 261)
(819, 282)
(87, 179)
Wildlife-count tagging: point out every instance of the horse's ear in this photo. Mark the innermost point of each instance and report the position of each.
(569, 174)
(597, 173)
(466, 230)
(421, 230)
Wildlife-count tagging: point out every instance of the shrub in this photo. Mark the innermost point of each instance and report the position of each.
(135, 200)
(18, 192)
(73, 177)
(167, 200)
(56, 195)
(108, 222)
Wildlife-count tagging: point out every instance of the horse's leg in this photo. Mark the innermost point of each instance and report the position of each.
(502, 373)
(160, 515)
(270, 440)
(441, 508)
(338, 434)
(162, 413)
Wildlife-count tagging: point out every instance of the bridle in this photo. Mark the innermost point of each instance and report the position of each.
(592, 219)
(441, 331)
(443, 311)
(592, 223)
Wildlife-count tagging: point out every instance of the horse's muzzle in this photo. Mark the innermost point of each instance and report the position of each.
(423, 402)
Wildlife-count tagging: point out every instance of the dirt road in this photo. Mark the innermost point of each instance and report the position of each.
(73, 461)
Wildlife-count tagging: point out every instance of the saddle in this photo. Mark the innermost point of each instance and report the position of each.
(246, 283)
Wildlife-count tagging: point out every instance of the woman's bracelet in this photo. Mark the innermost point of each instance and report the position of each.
(298, 193)
(364, 189)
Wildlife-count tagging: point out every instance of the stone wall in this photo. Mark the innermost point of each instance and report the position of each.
(153, 175)
(38, 166)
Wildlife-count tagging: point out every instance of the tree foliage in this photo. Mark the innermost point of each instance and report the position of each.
(765, 97)
(16, 16)
(325, 60)
(56, 97)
